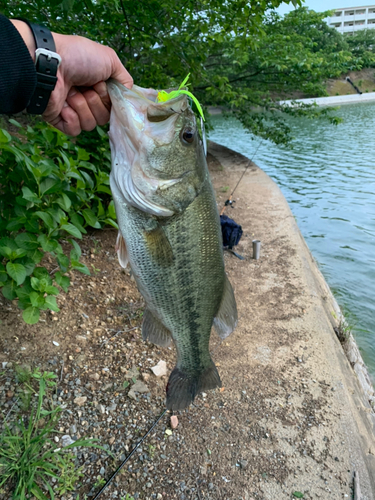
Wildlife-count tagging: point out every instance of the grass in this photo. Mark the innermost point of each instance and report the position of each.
(29, 458)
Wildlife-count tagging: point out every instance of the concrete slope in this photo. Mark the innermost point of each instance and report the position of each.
(304, 399)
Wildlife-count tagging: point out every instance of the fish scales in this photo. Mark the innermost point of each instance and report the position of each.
(177, 262)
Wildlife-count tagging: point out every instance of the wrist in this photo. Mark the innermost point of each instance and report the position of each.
(26, 34)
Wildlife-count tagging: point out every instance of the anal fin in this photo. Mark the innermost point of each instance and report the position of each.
(154, 331)
(226, 318)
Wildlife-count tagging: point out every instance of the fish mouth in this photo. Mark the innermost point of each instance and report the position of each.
(147, 100)
(140, 124)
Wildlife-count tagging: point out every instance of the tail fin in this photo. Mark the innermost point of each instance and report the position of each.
(183, 387)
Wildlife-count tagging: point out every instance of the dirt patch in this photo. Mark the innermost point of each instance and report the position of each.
(364, 80)
(271, 431)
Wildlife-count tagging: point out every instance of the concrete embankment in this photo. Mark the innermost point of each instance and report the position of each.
(308, 427)
(336, 100)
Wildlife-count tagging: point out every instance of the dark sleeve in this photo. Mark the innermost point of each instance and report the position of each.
(17, 70)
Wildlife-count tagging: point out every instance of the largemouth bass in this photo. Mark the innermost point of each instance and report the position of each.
(169, 233)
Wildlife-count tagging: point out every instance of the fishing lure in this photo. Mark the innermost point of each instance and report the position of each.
(164, 96)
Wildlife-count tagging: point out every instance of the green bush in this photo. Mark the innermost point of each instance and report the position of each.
(51, 189)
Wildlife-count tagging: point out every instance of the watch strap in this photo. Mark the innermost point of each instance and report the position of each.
(46, 65)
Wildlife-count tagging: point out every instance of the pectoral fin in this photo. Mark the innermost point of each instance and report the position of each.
(225, 320)
(159, 247)
(154, 331)
(121, 250)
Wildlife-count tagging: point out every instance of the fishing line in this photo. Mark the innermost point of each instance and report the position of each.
(129, 456)
(229, 200)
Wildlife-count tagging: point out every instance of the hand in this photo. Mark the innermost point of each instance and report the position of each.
(80, 100)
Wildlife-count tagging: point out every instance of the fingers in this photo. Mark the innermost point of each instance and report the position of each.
(98, 105)
(119, 73)
(67, 121)
(79, 104)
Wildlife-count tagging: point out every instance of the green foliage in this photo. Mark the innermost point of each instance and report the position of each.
(51, 190)
(28, 456)
(361, 44)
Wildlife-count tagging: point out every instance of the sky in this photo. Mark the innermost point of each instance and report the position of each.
(322, 5)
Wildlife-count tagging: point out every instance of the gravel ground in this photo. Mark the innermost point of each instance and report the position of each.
(274, 429)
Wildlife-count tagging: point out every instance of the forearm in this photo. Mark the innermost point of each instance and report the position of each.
(17, 74)
(26, 34)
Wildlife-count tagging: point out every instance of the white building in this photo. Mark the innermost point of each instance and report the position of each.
(353, 19)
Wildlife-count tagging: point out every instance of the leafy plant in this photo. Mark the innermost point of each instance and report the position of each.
(28, 457)
(51, 190)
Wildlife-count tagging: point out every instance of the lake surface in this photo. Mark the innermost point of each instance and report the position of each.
(329, 182)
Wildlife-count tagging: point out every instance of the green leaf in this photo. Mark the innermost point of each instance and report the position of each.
(6, 252)
(83, 154)
(78, 221)
(30, 196)
(76, 252)
(64, 202)
(63, 262)
(51, 303)
(80, 267)
(111, 223)
(4, 136)
(104, 189)
(112, 211)
(15, 123)
(31, 315)
(51, 290)
(17, 272)
(27, 241)
(63, 281)
(36, 256)
(90, 218)
(297, 494)
(9, 290)
(37, 299)
(69, 228)
(42, 272)
(47, 219)
(50, 185)
(48, 244)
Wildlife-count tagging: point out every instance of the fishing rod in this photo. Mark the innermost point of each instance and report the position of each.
(129, 456)
(230, 201)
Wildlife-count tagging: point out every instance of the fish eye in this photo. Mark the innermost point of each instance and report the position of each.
(188, 135)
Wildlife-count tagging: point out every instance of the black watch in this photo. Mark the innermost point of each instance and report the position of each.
(46, 65)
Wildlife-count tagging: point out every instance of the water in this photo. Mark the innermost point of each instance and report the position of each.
(329, 182)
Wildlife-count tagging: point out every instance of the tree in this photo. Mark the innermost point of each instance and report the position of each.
(361, 44)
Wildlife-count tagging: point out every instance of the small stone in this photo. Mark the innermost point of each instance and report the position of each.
(56, 439)
(80, 401)
(146, 377)
(174, 421)
(210, 486)
(140, 387)
(159, 497)
(73, 429)
(132, 373)
(102, 409)
(94, 376)
(112, 440)
(66, 440)
(160, 369)
(243, 464)
(10, 394)
(204, 395)
(81, 338)
(55, 343)
(102, 471)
